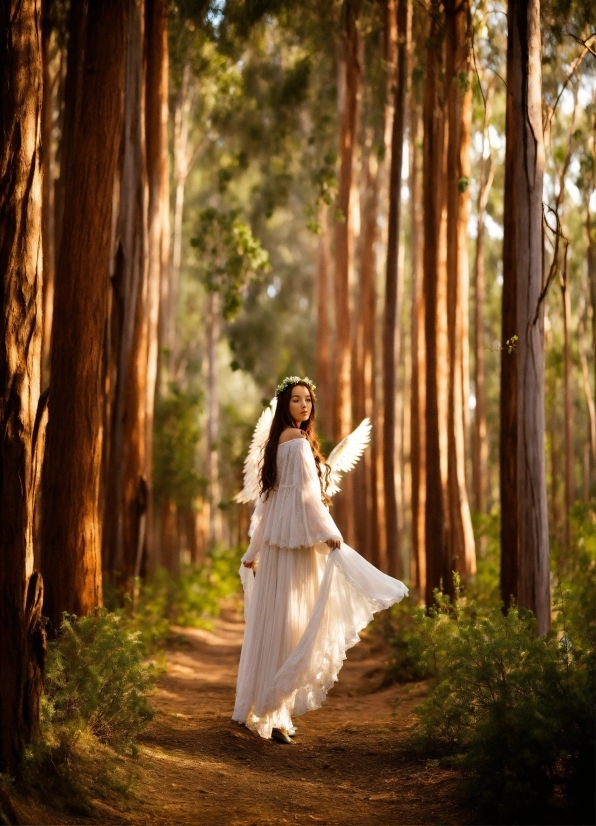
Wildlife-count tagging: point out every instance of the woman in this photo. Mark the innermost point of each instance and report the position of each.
(312, 594)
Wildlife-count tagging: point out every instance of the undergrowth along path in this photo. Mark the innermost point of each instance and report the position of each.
(346, 767)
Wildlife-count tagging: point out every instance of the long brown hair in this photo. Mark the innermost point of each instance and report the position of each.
(281, 420)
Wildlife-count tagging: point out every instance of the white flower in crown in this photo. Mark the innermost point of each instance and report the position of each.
(291, 380)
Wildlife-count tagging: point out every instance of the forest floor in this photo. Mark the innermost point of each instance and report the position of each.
(347, 765)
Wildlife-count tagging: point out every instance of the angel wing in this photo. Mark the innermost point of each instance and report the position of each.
(250, 491)
(346, 454)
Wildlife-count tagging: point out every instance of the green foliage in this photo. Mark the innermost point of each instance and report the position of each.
(96, 681)
(191, 599)
(200, 590)
(176, 436)
(485, 588)
(406, 662)
(230, 256)
(96, 703)
(513, 711)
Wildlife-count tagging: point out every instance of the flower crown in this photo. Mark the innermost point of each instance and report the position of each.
(289, 381)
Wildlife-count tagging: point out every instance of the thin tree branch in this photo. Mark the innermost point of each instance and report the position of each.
(581, 41)
(574, 67)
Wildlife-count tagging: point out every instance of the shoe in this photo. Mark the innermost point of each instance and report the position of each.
(280, 736)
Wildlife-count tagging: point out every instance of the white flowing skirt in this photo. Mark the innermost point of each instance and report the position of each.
(303, 610)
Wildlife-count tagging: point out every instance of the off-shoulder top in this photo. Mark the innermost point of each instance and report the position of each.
(293, 515)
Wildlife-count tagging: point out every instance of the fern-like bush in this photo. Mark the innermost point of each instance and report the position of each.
(97, 682)
(513, 711)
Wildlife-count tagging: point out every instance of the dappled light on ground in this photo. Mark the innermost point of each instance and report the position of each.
(346, 765)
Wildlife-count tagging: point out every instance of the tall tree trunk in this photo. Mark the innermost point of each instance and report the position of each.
(591, 247)
(391, 311)
(349, 83)
(418, 388)
(555, 510)
(525, 82)
(323, 367)
(127, 482)
(156, 130)
(181, 168)
(22, 421)
(438, 567)
(77, 16)
(509, 328)
(459, 113)
(567, 407)
(583, 349)
(349, 71)
(71, 522)
(364, 492)
(212, 457)
(480, 442)
(48, 227)
(379, 534)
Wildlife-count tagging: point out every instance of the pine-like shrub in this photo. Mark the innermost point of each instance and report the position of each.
(97, 682)
(406, 662)
(513, 711)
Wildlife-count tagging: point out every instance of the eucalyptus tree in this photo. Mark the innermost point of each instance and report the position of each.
(22, 417)
(71, 517)
(525, 551)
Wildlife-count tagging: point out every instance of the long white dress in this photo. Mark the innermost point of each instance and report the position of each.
(306, 604)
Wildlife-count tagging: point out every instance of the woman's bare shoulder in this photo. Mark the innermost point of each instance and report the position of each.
(291, 433)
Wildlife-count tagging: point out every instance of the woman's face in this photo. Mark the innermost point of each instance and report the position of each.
(300, 404)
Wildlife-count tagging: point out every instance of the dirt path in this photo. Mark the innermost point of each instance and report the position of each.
(345, 767)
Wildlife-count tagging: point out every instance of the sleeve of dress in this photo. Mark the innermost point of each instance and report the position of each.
(255, 531)
(294, 515)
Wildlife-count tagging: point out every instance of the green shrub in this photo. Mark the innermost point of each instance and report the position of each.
(191, 599)
(406, 661)
(176, 437)
(485, 588)
(96, 681)
(200, 590)
(513, 711)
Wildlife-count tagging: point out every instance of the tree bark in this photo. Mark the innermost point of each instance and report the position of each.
(509, 328)
(567, 407)
(417, 392)
(127, 476)
(349, 87)
(156, 130)
(212, 455)
(349, 100)
(77, 16)
(48, 227)
(459, 113)
(323, 368)
(583, 349)
(438, 567)
(525, 82)
(71, 522)
(181, 168)
(391, 311)
(480, 443)
(22, 418)
(379, 534)
(364, 487)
